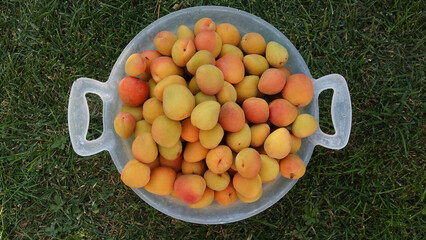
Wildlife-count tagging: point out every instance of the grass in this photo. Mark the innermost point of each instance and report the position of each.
(374, 188)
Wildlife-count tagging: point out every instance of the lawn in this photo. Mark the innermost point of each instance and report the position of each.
(374, 188)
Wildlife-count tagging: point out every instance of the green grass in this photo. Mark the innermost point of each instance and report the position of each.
(372, 189)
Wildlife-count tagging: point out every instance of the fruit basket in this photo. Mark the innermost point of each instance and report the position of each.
(120, 149)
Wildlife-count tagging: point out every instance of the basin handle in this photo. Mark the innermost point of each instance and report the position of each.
(341, 112)
(79, 117)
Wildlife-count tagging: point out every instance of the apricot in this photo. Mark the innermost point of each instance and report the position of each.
(292, 167)
(124, 124)
(152, 108)
(190, 188)
(278, 144)
(149, 56)
(135, 174)
(217, 182)
(194, 152)
(210, 41)
(164, 66)
(144, 148)
(206, 199)
(247, 88)
(232, 68)
(282, 113)
(164, 41)
(151, 86)
(172, 152)
(233, 166)
(189, 132)
(184, 32)
(200, 58)
(228, 33)
(231, 117)
(193, 86)
(175, 164)
(226, 196)
(298, 90)
(272, 81)
(269, 169)
(165, 131)
(210, 79)
(178, 102)
(249, 200)
(248, 162)
(202, 97)
(133, 92)
(211, 138)
(135, 65)
(253, 43)
(259, 132)
(286, 72)
(135, 111)
(231, 49)
(276, 54)
(247, 187)
(204, 24)
(197, 168)
(295, 143)
(182, 51)
(237, 141)
(161, 181)
(219, 159)
(304, 125)
(227, 94)
(255, 64)
(142, 126)
(169, 80)
(205, 115)
(256, 110)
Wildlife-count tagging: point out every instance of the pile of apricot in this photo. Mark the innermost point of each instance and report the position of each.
(214, 116)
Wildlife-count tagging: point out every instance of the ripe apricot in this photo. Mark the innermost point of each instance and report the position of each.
(135, 65)
(232, 68)
(204, 24)
(161, 181)
(278, 144)
(133, 92)
(304, 125)
(272, 81)
(164, 41)
(144, 148)
(253, 43)
(219, 159)
(226, 196)
(184, 32)
(124, 124)
(190, 188)
(135, 174)
(282, 113)
(228, 33)
(231, 117)
(210, 41)
(292, 167)
(210, 79)
(256, 110)
(298, 90)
